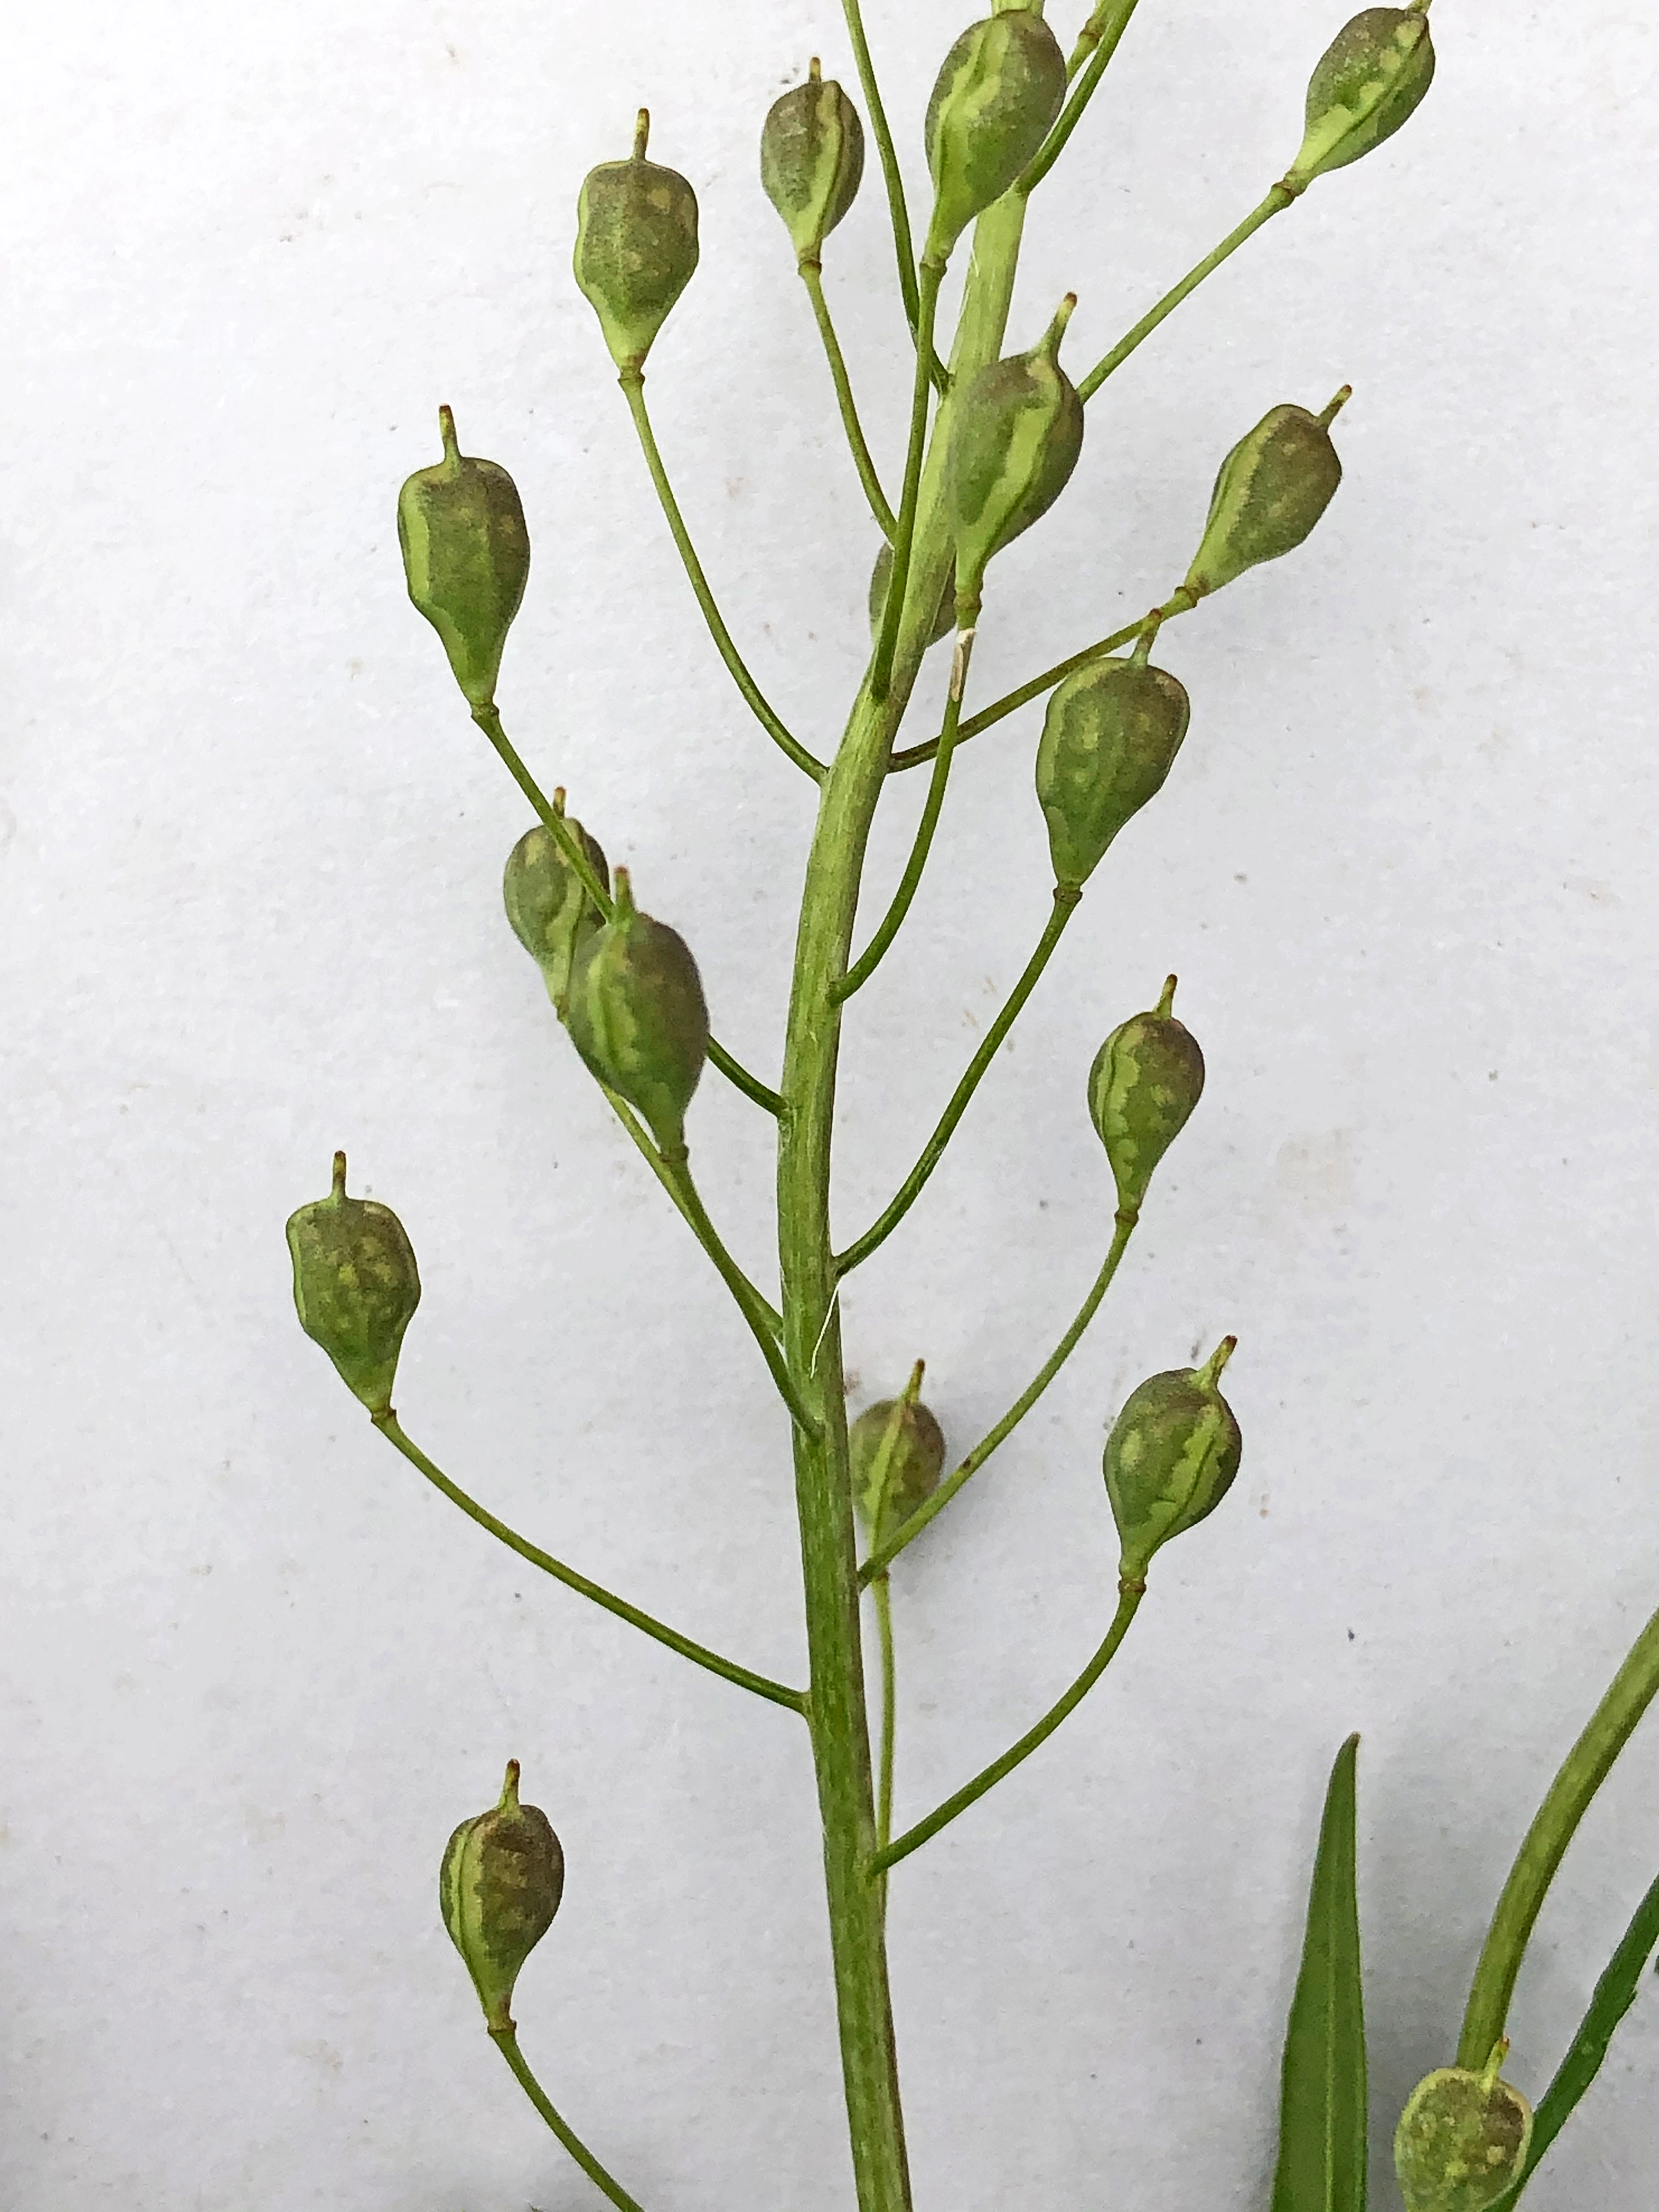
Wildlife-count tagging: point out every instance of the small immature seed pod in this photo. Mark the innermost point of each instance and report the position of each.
(637, 1016)
(1014, 442)
(943, 622)
(998, 91)
(636, 247)
(811, 158)
(1368, 83)
(1462, 2140)
(498, 1889)
(1146, 1079)
(1170, 1458)
(888, 1486)
(547, 903)
(466, 556)
(1109, 737)
(355, 1286)
(1272, 488)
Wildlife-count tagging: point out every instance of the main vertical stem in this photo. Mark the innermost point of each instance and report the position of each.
(836, 1710)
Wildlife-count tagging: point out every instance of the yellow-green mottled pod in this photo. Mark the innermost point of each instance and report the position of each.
(1368, 83)
(466, 556)
(636, 247)
(943, 622)
(1461, 2140)
(1017, 432)
(997, 93)
(811, 158)
(355, 1286)
(1272, 488)
(1109, 739)
(498, 1890)
(891, 1478)
(547, 903)
(1170, 1458)
(1146, 1079)
(637, 1015)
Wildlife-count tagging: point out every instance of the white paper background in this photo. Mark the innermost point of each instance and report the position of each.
(254, 1670)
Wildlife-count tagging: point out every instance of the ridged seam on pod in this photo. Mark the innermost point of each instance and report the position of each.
(636, 247)
(812, 160)
(637, 1015)
(1269, 492)
(355, 1286)
(996, 95)
(943, 622)
(1368, 81)
(1109, 737)
(466, 558)
(1014, 442)
(549, 908)
(1170, 1458)
(1462, 2139)
(889, 1482)
(1146, 1079)
(498, 1889)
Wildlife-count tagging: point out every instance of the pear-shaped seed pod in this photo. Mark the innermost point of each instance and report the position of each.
(636, 247)
(1170, 1458)
(637, 1015)
(549, 908)
(943, 622)
(355, 1286)
(498, 1889)
(997, 93)
(1462, 2140)
(1146, 1079)
(1368, 83)
(888, 1486)
(1015, 437)
(1272, 488)
(1110, 737)
(811, 158)
(466, 556)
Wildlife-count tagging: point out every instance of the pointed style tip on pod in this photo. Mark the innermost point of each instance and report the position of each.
(812, 160)
(1462, 2140)
(636, 1014)
(897, 1453)
(1109, 739)
(1145, 1083)
(355, 1286)
(998, 91)
(548, 905)
(499, 1888)
(636, 248)
(466, 559)
(1170, 1458)
(1368, 81)
(1270, 491)
(1014, 443)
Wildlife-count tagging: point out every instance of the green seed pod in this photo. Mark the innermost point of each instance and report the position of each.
(943, 622)
(811, 158)
(1109, 739)
(1462, 2140)
(355, 1286)
(1368, 83)
(1015, 440)
(637, 1015)
(891, 1479)
(548, 905)
(1170, 1458)
(466, 556)
(997, 93)
(636, 247)
(1146, 1079)
(1272, 488)
(498, 1889)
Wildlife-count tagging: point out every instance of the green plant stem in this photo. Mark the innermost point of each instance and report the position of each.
(752, 1306)
(1586, 1768)
(506, 2041)
(1105, 46)
(883, 1597)
(1065, 905)
(898, 584)
(811, 275)
(698, 1654)
(893, 176)
(1277, 201)
(1130, 1596)
(632, 384)
(874, 1569)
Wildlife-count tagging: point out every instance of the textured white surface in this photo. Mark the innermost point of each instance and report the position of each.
(249, 855)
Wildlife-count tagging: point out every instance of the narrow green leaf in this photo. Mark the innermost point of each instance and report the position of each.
(1322, 2130)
